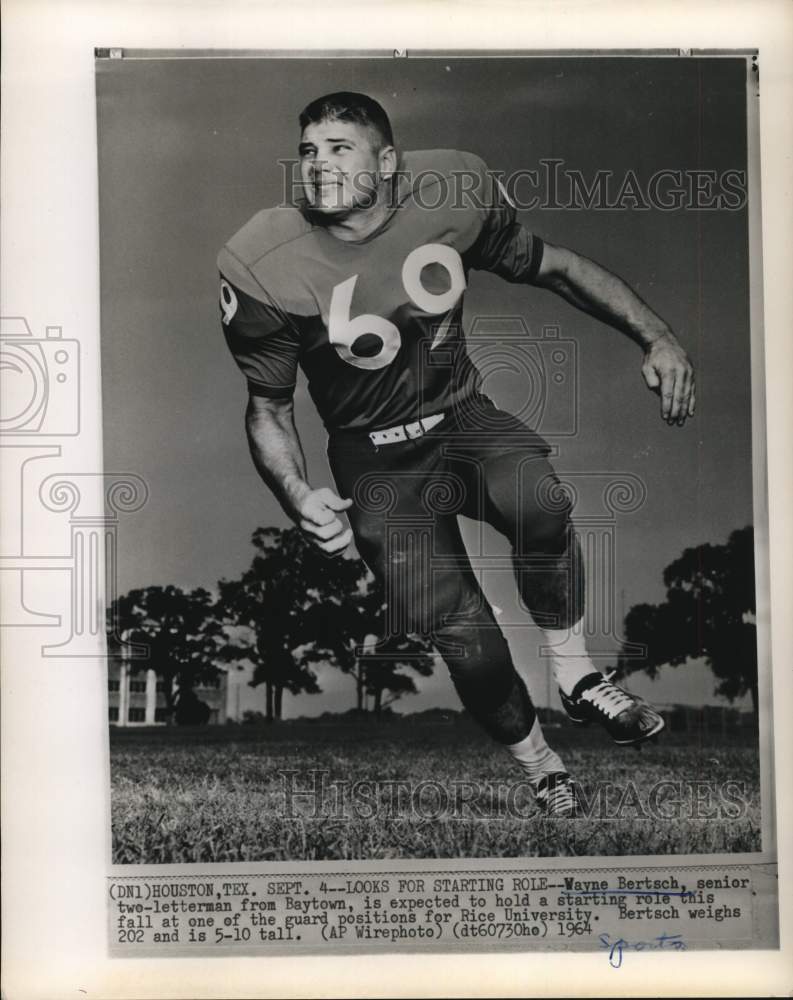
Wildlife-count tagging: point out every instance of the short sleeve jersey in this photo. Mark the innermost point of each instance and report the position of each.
(375, 324)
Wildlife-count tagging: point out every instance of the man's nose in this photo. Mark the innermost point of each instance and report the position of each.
(322, 166)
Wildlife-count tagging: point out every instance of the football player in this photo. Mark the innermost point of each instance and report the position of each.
(361, 284)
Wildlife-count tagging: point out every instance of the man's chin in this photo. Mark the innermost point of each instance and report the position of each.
(329, 208)
(334, 208)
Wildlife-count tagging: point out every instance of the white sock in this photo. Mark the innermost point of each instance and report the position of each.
(535, 756)
(568, 655)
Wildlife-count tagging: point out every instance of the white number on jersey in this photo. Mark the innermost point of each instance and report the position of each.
(415, 262)
(366, 329)
(371, 342)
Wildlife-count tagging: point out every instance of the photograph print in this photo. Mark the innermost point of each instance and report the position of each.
(437, 369)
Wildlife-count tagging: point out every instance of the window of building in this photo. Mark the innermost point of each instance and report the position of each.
(138, 686)
(160, 714)
(137, 715)
(112, 714)
(160, 685)
(113, 685)
(214, 683)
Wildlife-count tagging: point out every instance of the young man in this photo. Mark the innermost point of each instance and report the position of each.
(362, 285)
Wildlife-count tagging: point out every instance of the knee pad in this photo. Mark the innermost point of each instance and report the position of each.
(479, 663)
(545, 532)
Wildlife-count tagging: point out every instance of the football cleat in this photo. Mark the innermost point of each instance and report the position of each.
(556, 795)
(627, 719)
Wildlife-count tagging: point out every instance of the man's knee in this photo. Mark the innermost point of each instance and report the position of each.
(532, 507)
(479, 662)
(545, 532)
(475, 651)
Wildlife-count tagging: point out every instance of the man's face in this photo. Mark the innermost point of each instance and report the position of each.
(339, 166)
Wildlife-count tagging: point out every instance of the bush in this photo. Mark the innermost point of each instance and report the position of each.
(191, 711)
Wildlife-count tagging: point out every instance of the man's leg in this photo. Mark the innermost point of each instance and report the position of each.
(439, 596)
(525, 501)
(420, 557)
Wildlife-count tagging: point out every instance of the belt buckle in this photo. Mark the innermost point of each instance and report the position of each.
(414, 430)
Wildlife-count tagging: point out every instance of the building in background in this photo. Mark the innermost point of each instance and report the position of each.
(138, 698)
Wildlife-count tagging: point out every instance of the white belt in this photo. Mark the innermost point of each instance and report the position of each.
(405, 432)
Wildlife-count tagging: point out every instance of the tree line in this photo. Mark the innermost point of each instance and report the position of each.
(290, 611)
(709, 613)
(294, 609)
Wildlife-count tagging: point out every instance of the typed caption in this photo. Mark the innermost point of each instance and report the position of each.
(671, 909)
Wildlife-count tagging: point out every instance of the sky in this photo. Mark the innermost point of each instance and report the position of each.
(189, 149)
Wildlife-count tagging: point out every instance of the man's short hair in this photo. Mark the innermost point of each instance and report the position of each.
(346, 106)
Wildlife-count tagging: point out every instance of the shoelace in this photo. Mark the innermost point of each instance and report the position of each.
(560, 801)
(557, 798)
(610, 699)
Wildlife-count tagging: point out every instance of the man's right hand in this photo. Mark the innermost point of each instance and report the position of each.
(317, 516)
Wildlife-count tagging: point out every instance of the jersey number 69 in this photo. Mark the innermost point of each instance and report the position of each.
(369, 341)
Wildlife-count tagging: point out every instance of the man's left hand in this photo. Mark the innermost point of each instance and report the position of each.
(668, 371)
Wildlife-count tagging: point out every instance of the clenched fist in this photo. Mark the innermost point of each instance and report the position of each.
(317, 515)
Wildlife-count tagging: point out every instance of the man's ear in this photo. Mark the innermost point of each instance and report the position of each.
(387, 161)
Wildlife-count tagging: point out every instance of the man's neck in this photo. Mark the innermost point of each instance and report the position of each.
(359, 223)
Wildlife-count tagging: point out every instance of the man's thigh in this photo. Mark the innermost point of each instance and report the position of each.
(406, 498)
(524, 499)
(511, 484)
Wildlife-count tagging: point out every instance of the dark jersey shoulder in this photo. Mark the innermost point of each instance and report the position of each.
(267, 235)
(443, 161)
(436, 177)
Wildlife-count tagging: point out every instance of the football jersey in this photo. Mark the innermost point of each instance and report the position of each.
(375, 324)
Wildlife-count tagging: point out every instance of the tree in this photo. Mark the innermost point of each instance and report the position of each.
(709, 612)
(344, 629)
(287, 577)
(181, 633)
(383, 670)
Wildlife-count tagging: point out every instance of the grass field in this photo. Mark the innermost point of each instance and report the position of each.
(215, 794)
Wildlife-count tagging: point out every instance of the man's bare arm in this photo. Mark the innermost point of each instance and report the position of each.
(278, 456)
(596, 291)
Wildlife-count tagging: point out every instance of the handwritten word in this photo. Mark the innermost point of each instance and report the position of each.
(663, 942)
